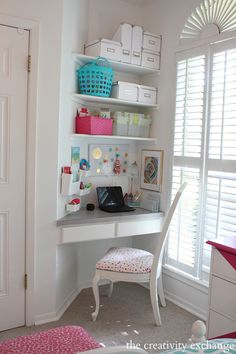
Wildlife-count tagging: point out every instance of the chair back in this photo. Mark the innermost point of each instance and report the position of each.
(162, 238)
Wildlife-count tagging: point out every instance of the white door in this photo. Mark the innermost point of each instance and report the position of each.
(14, 45)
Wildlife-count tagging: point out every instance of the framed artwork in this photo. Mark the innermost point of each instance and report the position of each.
(151, 169)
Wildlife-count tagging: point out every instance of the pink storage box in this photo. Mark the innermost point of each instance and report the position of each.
(93, 125)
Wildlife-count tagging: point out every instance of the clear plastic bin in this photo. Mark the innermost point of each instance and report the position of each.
(134, 124)
(144, 126)
(120, 123)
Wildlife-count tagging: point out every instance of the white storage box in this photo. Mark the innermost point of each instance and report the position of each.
(125, 91)
(104, 48)
(120, 123)
(150, 60)
(124, 35)
(137, 38)
(68, 187)
(147, 94)
(151, 42)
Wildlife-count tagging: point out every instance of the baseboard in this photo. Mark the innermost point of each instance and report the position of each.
(191, 308)
(55, 316)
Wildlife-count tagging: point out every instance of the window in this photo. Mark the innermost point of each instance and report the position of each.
(204, 155)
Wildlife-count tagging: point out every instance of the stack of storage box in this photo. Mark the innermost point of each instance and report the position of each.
(130, 44)
(133, 92)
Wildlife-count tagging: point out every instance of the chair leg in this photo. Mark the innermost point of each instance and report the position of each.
(110, 289)
(154, 301)
(161, 291)
(96, 296)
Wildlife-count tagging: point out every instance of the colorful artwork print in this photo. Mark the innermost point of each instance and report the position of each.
(151, 171)
(104, 159)
(75, 159)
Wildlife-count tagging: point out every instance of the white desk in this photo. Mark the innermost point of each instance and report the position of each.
(96, 225)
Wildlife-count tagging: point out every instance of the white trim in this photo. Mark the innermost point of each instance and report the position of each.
(33, 27)
(186, 279)
(186, 283)
(189, 44)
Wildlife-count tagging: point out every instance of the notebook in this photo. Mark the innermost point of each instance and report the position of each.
(111, 199)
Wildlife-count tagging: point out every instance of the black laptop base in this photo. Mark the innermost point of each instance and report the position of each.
(122, 209)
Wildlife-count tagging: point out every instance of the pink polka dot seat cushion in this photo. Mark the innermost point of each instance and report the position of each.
(126, 260)
(60, 340)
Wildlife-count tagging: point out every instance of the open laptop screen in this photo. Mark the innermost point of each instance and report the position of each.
(110, 196)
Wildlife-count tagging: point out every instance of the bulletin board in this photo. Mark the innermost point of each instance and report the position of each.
(103, 159)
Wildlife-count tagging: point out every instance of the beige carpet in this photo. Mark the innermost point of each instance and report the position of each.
(126, 316)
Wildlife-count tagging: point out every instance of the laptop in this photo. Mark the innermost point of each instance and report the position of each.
(111, 199)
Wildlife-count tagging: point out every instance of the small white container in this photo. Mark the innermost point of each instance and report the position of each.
(124, 35)
(125, 91)
(104, 48)
(84, 191)
(72, 208)
(151, 42)
(68, 187)
(147, 94)
(120, 123)
(150, 60)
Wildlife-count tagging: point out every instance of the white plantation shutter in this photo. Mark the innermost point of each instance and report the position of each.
(220, 215)
(204, 156)
(223, 106)
(189, 106)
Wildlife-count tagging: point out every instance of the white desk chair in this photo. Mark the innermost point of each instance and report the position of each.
(138, 266)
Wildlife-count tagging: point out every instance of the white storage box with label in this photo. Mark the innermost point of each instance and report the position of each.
(147, 94)
(124, 35)
(137, 38)
(150, 60)
(104, 48)
(125, 91)
(151, 42)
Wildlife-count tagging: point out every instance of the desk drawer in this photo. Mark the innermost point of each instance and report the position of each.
(221, 266)
(219, 325)
(87, 232)
(223, 297)
(138, 227)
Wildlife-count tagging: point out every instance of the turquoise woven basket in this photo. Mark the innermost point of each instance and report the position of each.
(95, 78)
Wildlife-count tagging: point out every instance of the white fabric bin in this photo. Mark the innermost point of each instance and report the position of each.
(124, 35)
(151, 42)
(104, 48)
(124, 91)
(120, 123)
(150, 59)
(147, 94)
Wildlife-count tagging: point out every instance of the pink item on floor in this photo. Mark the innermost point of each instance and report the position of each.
(60, 340)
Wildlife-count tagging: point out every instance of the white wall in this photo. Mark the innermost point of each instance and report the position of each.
(74, 35)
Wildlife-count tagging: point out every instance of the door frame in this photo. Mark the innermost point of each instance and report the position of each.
(30, 197)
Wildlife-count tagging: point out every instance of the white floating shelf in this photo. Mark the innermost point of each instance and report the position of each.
(108, 100)
(117, 66)
(114, 137)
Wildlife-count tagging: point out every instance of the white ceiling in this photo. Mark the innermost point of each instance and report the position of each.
(138, 2)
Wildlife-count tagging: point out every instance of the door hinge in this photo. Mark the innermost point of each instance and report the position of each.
(26, 281)
(29, 64)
